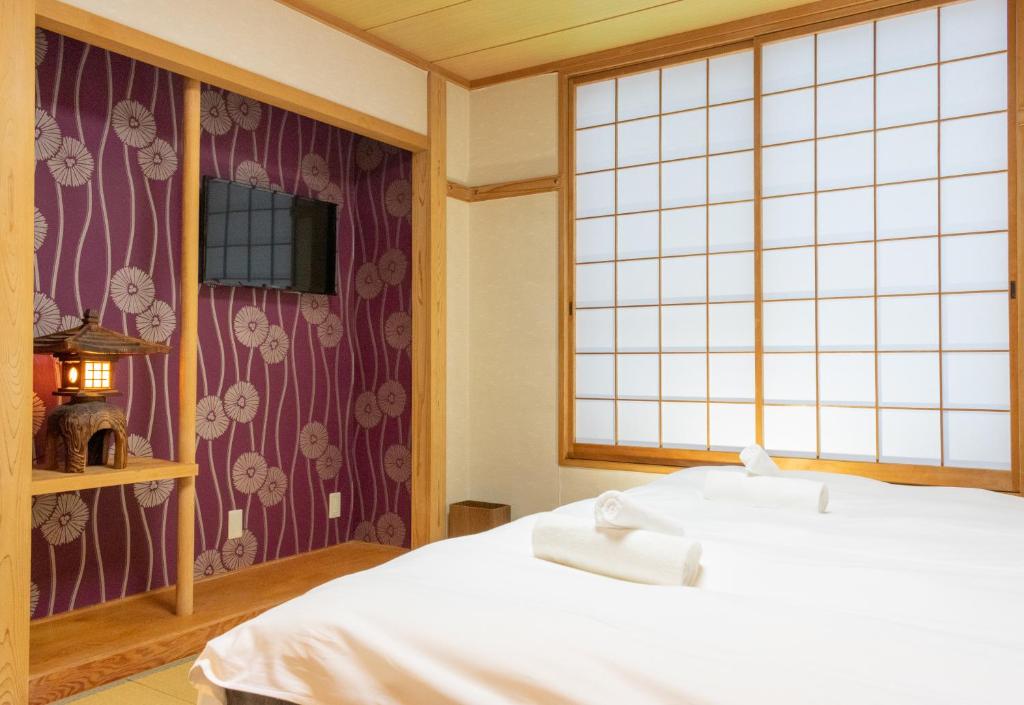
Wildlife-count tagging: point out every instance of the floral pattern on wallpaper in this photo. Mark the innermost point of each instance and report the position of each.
(299, 395)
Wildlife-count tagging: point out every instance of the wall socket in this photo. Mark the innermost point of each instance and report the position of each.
(234, 523)
(334, 505)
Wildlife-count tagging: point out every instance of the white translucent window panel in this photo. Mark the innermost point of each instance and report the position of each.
(637, 189)
(979, 439)
(847, 433)
(684, 231)
(639, 141)
(976, 380)
(637, 282)
(595, 421)
(788, 325)
(846, 324)
(731, 377)
(595, 194)
(684, 86)
(791, 430)
(787, 169)
(846, 53)
(972, 145)
(731, 127)
(595, 376)
(731, 227)
(638, 329)
(974, 262)
(595, 148)
(684, 425)
(731, 277)
(638, 235)
(731, 177)
(909, 436)
(683, 280)
(595, 103)
(973, 86)
(684, 328)
(684, 135)
(595, 239)
(639, 422)
(790, 378)
(846, 161)
(731, 327)
(787, 117)
(906, 210)
(787, 221)
(684, 183)
(731, 426)
(684, 376)
(595, 285)
(847, 378)
(846, 216)
(908, 266)
(788, 274)
(731, 77)
(973, 28)
(974, 203)
(786, 65)
(907, 97)
(846, 107)
(908, 379)
(638, 376)
(639, 95)
(907, 40)
(595, 330)
(975, 322)
(906, 153)
(846, 270)
(908, 323)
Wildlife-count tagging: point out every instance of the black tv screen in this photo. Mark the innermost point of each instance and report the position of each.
(257, 237)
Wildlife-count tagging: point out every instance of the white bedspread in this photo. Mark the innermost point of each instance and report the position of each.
(896, 596)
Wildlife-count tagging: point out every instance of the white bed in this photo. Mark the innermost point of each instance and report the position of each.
(896, 596)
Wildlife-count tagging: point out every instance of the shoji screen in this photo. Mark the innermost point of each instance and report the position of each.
(878, 326)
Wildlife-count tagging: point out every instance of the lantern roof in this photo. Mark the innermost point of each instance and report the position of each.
(91, 338)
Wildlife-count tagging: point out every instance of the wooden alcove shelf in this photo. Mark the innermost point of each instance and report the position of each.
(138, 470)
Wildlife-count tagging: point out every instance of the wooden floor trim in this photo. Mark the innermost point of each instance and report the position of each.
(507, 189)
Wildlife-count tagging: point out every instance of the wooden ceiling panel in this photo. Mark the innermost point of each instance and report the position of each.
(367, 14)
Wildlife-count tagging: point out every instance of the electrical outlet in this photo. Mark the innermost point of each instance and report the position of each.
(234, 523)
(334, 505)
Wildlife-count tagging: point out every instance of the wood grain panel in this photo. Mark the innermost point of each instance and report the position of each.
(367, 14)
(507, 189)
(17, 166)
(138, 470)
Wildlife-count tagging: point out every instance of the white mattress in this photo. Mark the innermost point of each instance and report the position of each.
(896, 596)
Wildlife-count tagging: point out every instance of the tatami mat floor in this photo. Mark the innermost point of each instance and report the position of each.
(164, 686)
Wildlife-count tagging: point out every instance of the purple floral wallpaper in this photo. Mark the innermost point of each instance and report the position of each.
(299, 395)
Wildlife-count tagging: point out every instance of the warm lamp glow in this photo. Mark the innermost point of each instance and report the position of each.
(97, 375)
(72, 375)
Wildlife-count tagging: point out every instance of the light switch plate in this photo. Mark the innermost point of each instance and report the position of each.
(334, 505)
(234, 523)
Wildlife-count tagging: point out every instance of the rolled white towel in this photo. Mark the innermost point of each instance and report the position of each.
(758, 462)
(774, 492)
(627, 554)
(616, 510)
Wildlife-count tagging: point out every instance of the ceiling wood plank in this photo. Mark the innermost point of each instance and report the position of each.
(367, 14)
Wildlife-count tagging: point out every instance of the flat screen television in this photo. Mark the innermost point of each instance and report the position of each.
(256, 237)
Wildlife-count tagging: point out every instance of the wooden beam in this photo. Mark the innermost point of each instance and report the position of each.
(429, 312)
(17, 167)
(506, 189)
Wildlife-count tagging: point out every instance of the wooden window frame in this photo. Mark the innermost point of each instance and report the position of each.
(756, 34)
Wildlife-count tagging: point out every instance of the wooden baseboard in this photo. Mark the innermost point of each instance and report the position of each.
(75, 651)
(508, 189)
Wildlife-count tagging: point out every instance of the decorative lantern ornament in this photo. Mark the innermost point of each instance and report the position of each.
(81, 432)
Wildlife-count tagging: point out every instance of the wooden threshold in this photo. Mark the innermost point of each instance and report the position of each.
(138, 470)
(75, 651)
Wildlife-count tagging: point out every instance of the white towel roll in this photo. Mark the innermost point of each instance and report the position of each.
(617, 510)
(758, 462)
(773, 492)
(627, 554)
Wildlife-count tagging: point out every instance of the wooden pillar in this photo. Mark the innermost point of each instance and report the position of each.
(188, 342)
(17, 169)
(429, 192)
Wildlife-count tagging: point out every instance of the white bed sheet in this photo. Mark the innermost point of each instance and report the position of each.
(896, 596)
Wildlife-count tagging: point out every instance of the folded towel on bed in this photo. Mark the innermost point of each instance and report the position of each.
(774, 492)
(627, 554)
(758, 462)
(617, 510)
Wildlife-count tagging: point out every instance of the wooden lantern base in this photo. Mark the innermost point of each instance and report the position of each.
(72, 428)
